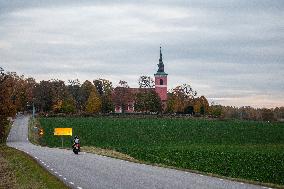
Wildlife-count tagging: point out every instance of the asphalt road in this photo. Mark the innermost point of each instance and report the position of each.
(98, 172)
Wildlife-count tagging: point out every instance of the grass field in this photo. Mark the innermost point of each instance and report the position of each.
(20, 171)
(239, 149)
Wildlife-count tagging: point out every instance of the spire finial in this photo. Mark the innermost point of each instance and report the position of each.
(161, 56)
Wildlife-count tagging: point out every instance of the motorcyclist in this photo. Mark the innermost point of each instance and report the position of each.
(76, 140)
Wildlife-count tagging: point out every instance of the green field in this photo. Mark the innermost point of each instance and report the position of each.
(239, 149)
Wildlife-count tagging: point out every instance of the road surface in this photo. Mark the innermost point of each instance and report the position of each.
(88, 170)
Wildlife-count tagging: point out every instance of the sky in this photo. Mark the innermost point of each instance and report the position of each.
(230, 51)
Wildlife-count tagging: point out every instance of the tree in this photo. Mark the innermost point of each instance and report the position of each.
(12, 98)
(201, 105)
(68, 105)
(267, 114)
(85, 91)
(94, 103)
(105, 89)
(29, 88)
(181, 99)
(43, 96)
(146, 82)
(197, 106)
(48, 95)
(153, 102)
(121, 95)
(147, 101)
(7, 108)
(216, 111)
(74, 90)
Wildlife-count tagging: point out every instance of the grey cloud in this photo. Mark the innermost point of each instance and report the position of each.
(223, 48)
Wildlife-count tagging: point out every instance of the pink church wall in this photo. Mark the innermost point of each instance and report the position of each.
(161, 89)
(162, 92)
(157, 80)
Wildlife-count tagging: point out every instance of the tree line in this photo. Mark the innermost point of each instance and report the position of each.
(19, 94)
(247, 113)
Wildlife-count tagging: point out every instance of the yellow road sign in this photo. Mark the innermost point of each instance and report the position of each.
(63, 131)
(41, 132)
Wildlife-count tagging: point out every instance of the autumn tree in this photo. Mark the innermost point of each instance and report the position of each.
(68, 105)
(15, 88)
(216, 111)
(197, 106)
(146, 82)
(49, 95)
(94, 103)
(12, 98)
(73, 88)
(105, 88)
(201, 105)
(43, 96)
(181, 99)
(85, 91)
(121, 95)
(279, 113)
(267, 114)
(146, 99)
(7, 107)
(30, 84)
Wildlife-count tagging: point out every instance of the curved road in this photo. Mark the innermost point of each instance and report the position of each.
(98, 172)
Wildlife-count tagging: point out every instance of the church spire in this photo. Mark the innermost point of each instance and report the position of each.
(161, 56)
(161, 64)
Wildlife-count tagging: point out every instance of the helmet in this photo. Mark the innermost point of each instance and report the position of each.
(76, 136)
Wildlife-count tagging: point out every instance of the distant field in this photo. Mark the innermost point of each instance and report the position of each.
(238, 149)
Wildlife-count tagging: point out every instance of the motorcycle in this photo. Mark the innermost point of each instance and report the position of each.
(76, 148)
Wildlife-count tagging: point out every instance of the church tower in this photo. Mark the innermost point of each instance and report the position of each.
(161, 80)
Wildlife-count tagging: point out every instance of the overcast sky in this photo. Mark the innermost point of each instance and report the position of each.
(231, 51)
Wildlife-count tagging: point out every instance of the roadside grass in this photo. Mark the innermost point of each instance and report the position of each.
(18, 170)
(7, 176)
(6, 125)
(247, 150)
(33, 128)
(108, 153)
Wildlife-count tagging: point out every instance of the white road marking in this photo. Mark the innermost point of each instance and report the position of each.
(71, 183)
(51, 169)
(55, 172)
(201, 175)
(47, 166)
(241, 183)
(65, 178)
(36, 157)
(27, 139)
(27, 152)
(79, 187)
(60, 175)
(221, 179)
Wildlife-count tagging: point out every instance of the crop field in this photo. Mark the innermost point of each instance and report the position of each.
(239, 149)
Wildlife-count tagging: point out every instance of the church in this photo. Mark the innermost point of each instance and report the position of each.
(160, 88)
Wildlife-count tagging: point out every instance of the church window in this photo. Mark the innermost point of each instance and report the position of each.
(161, 81)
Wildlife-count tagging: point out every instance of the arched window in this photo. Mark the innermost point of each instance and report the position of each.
(161, 82)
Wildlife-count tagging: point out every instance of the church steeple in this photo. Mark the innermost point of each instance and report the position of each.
(161, 81)
(161, 64)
